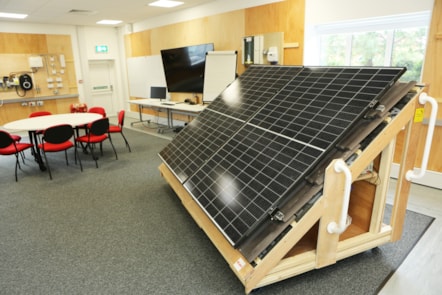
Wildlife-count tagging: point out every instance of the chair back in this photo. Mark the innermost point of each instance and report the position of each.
(99, 127)
(5, 139)
(40, 113)
(58, 134)
(121, 118)
(98, 110)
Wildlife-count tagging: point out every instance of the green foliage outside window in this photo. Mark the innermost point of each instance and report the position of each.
(401, 48)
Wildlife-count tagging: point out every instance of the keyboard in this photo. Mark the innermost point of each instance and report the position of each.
(170, 103)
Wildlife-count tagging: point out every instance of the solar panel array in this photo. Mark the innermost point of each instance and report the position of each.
(243, 156)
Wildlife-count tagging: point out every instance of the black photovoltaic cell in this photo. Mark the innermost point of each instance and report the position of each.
(286, 125)
(247, 94)
(205, 134)
(319, 104)
(240, 184)
(197, 142)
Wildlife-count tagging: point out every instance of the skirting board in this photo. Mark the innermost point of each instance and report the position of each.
(431, 178)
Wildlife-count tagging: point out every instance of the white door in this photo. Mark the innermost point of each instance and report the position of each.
(102, 76)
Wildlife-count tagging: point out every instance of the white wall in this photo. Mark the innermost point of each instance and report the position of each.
(88, 38)
(326, 11)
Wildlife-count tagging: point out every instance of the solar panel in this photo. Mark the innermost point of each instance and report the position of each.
(319, 104)
(223, 117)
(242, 182)
(197, 142)
(246, 95)
(286, 120)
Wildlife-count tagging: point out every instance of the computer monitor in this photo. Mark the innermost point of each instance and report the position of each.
(158, 92)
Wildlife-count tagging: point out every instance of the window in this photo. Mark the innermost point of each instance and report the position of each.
(387, 41)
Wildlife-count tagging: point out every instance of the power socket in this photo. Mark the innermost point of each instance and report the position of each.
(32, 103)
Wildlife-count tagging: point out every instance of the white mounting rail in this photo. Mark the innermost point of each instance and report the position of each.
(424, 98)
(344, 221)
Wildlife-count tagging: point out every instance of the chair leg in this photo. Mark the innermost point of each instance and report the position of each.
(125, 140)
(91, 146)
(79, 160)
(17, 164)
(115, 151)
(66, 157)
(22, 153)
(47, 165)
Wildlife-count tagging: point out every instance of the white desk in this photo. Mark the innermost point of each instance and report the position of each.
(43, 122)
(156, 104)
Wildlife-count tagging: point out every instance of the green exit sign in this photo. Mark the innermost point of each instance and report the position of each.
(101, 48)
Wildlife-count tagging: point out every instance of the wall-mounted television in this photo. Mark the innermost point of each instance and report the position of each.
(184, 67)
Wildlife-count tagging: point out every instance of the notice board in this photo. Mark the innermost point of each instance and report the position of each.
(144, 72)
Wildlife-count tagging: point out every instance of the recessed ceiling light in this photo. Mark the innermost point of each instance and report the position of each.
(82, 12)
(166, 3)
(13, 15)
(109, 22)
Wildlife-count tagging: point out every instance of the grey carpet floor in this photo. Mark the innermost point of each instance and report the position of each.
(120, 229)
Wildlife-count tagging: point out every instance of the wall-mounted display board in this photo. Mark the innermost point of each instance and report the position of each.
(144, 72)
(220, 71)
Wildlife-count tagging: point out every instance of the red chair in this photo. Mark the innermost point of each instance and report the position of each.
(38, 114)
(8, 146)
(119, 128)
(97, 133)
(57, 139)
(98, 110)
(15, 137)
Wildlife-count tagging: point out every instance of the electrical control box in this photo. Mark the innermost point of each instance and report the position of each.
(35, 62)
(252, 51)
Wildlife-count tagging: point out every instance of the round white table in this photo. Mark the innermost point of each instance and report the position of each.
(43, 122)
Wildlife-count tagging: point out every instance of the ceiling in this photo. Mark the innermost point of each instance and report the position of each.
(88, 12)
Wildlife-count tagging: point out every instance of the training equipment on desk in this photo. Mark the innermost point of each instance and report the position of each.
(242, 158)
(158, 92)
(170, 103)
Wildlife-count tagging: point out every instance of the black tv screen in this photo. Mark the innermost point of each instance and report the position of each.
(184, 67)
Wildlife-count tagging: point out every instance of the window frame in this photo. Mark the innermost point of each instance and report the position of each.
(386, 23)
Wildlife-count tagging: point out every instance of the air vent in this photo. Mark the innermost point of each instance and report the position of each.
(82, 12)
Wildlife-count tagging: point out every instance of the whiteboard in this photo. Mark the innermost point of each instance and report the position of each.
(144, 72)
(219, 72)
